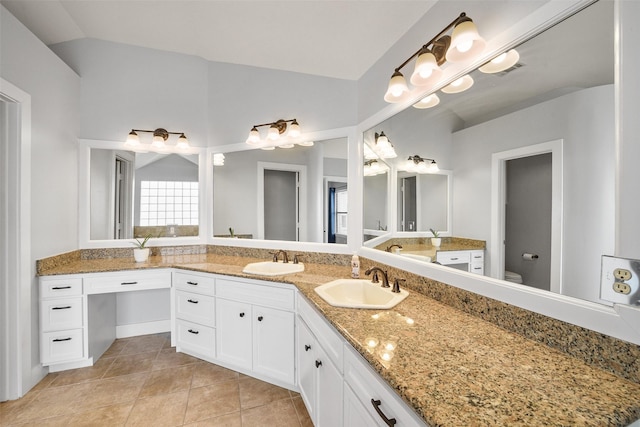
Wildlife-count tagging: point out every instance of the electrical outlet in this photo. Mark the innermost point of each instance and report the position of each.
(622, 274)
(619, 280)
(622, 288)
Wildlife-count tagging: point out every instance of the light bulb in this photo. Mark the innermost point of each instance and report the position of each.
(273, 133)
(133, 140)
(294, 129)
(183, 142)
(254, 136)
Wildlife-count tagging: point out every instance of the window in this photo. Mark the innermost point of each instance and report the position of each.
(168, 202)
(341, 211)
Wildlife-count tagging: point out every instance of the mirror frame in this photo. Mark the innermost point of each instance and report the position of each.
(616, 320)
(84, 200)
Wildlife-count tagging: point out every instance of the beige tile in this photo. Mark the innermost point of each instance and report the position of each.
(205, 373)
(131, 364)
(144, 344)
(61, 421)
(52, 402)
(115, 348)
(114, 415)
(254, 393)
(279, 413)
(167, 381)
(45, 382)
(17, 405)
(125, 388)
(80, 375)
(229, 420)
(301, 410)
(158, 411)
(213, 401)
(168, 358)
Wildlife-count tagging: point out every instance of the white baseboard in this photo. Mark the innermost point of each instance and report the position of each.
(136, 329)
(71, 365)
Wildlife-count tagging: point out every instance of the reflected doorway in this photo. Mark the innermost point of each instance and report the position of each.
(409, 214)
(281, 205)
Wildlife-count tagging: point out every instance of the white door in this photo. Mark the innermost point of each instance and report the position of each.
(273, 348)
(233, 332)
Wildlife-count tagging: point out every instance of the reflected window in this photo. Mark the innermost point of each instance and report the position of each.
(341, 211)
(168, 202)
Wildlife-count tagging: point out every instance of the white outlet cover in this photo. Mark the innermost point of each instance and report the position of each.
(609, 264)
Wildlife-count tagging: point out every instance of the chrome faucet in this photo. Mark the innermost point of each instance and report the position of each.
(375, 270)
(393, 246)
(285, 257)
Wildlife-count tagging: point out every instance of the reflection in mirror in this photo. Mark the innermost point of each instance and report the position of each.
(375, 198)
(423, 201)
(140, 194)
(293, 194)
(542, 105)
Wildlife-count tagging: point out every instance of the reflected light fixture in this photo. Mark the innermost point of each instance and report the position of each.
(374, 167)
(383, 146)
(158, 142)
(463, 43)
(427, 102)
(275, 131)
(459, 85)
(218, 159)
(417, 164)
(502, 62)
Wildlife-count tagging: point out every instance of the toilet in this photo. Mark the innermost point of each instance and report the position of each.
(512, 277)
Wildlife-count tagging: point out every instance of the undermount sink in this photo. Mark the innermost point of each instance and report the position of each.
(359, 293)
(270, 268)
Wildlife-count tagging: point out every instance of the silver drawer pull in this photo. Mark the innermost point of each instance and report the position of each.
(57, 288)
(454, 259)
(129, 283)
(194, 332)
(62, 339)
(61, 308)
(192, 301)
(192, 283)
(376, 405)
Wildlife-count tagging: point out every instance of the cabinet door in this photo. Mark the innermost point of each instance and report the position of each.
(307, 371)
(233, 334)
(355, 415)
(273, 348)
(329, 407)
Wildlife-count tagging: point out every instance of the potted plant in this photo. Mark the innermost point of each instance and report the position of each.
(141, 252)
(435, 240)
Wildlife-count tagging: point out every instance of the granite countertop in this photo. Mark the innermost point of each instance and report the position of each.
(452, 368)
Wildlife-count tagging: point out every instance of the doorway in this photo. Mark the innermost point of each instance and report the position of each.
(408, 190)
(527, 215)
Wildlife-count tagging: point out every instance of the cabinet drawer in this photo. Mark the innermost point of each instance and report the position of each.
(195, 338)
(367, 386)
(477, 269)
(477, 257)
(194, 283)
(268, 296)
(195, 308)
(61, 314)
(127, 281)
(62, 346)
(329, 339)
(60, 287)
(453, 257)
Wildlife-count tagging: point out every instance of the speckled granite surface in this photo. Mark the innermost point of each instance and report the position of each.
(451, 366)
(422, 245)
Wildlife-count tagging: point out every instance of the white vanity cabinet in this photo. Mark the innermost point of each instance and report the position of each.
(194, 308)
(319, 379)
(62, 320)
(255, 328)
(369, 401)
(470, 260)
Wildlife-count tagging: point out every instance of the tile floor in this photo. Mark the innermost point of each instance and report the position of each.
(142, 381)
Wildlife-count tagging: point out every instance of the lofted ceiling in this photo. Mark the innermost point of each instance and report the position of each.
(340, 39)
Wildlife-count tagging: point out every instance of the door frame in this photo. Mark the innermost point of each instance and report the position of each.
(498, 215)
(325, 203)
(302, 195)
(15, 328)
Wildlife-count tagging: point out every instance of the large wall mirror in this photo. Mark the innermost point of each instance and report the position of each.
(541, 132)
(294, 194)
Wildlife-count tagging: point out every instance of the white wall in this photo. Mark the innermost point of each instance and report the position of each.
(55, 94)
(585, 121)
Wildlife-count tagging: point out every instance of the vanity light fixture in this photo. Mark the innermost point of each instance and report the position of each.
(276, 129)
(374, 167)
(218, 159)
(463, 43)
(427, 102)
(502, 62)
(160, 137)
(383, 146)
(369, 154)
(419, 164)
(459, 85)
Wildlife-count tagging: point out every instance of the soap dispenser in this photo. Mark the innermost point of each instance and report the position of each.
(355, 266)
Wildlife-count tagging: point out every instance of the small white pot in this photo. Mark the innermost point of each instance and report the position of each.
(435, 241)
(141, 255)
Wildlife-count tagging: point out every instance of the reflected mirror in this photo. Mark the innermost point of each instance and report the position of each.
(375, 198)
(423, 201)
(549, 120)
(139, 194)
(289, 194)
